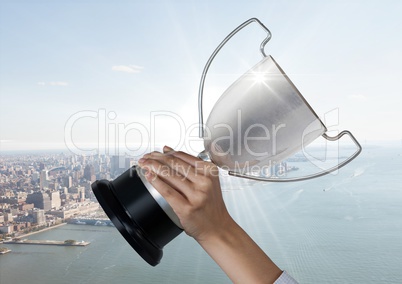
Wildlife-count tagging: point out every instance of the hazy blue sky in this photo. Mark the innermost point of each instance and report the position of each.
(61, 60)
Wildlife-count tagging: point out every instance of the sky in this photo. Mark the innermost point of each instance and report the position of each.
(90, 75)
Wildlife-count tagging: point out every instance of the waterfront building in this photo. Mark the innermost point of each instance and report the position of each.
(55, 199)
(21, 226)
(6, 229)
(40, 200)
(38, 216)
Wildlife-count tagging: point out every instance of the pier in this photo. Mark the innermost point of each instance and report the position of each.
(49, 242)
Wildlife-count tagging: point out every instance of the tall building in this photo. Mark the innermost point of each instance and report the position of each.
(55, 199)
(44, 179)
(68, 181)
(38, 216)
(78, 191)
(8, 217)
(63, 190)
(82, 194)
(89, 173)
(88, 190)
(6, 229)
(75, 177)
(35, 176)
(40, 200)
(117, 165)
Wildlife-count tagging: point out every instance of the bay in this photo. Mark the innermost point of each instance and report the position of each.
(343, 228)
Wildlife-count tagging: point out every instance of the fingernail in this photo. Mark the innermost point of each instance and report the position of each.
(167, 149)
(141, 161)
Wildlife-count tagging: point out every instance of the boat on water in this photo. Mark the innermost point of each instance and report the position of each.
(100, 223)
(4, 250)
(92, 222)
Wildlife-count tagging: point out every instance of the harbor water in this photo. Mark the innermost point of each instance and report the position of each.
(343, 228)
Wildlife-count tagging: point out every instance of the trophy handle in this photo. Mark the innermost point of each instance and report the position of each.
(211, 58)
(324, 172)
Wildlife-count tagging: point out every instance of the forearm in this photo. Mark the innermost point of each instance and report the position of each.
(239, 256)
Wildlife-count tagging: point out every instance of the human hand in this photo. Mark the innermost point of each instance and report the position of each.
(191, 187)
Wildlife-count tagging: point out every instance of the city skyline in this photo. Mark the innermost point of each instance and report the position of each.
(38, 191)
(130, 60)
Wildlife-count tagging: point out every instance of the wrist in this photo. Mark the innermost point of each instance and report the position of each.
(238, 255)
(219, 234)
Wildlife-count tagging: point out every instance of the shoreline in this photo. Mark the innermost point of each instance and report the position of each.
(40, 231)
(49, 242)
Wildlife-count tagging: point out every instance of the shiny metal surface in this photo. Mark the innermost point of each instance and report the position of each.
(322, 173)
(159, 199)
(260, 120)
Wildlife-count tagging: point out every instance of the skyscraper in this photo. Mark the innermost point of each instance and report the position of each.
(68, 181)
(44, 179)
(55, 199)
(38, 216)
(89, 173)
(117, 165)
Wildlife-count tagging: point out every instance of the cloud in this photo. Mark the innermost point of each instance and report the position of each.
(127, 68)
(58, 83)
